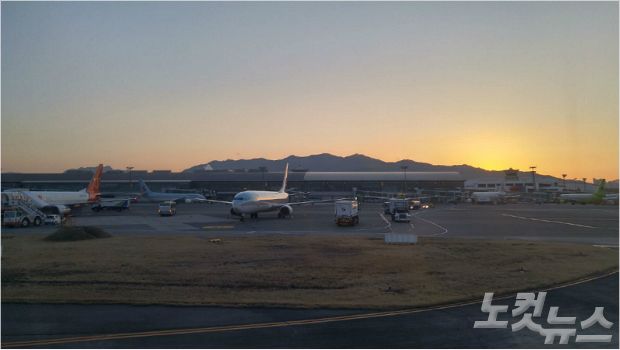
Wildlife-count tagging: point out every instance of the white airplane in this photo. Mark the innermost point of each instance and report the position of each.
(597, 197)
(151, 196)
(64, 199)
(254, 202)
(493, 197)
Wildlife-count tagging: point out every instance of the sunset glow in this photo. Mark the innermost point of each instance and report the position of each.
(172, 85)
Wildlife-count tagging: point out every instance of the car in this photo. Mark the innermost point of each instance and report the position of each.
(167, 208)
(53, 219)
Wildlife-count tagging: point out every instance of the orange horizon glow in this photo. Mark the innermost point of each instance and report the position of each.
(499, 166)
(494, 85)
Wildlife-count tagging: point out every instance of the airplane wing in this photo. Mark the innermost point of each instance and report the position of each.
(217, 202)
(377, 197)
(315, 202)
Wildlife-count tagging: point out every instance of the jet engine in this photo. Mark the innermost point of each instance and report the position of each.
(285, 210)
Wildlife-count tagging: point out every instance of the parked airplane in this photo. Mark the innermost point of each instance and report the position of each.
(493, 197)
(165, 196)
(63, 200)
(254, 202)
(594, 198)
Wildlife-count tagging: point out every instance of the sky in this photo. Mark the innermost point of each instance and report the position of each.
(172, 85)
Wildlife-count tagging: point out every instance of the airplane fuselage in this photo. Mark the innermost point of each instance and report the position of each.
(252, 202)
(577, 196)
(487, 197)
(61, 198)
(581, 198)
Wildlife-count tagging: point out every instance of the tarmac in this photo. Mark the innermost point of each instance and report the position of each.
(216, 327)
(126, 326)
(588, 224)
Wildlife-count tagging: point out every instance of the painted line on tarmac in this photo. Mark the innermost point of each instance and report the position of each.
(251, 326)
(388, 224)
(548, 221)
(444, 230)
(605, 246)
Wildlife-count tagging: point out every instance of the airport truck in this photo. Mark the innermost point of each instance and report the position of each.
(118, 206)
(21, 218)
(399, 210)
(414, 204)
(346, 212)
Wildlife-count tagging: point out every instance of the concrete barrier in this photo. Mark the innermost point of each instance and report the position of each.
(401, 238)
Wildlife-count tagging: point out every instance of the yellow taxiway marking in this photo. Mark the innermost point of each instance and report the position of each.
(549, 221)
(218, 329)
(218, 227)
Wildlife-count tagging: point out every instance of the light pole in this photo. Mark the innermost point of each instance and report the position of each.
(404, 167)
(263, 170)
(130, 183)
(584, 183)
(533, 168)
(575, 183)
(564, 180)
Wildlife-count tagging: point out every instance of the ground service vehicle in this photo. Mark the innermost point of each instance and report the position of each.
(346, 212)
(118, 206)
(19, 218)
(386, 208)
(167, 208)
(399, 210)
(53, 219)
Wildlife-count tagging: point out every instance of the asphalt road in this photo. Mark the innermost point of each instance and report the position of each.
(211, 327)
(548, 222)
(588, 224)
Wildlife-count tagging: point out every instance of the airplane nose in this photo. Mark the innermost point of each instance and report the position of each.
(236, 207)
(240, 207)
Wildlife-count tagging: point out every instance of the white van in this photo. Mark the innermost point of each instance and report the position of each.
(167, 208)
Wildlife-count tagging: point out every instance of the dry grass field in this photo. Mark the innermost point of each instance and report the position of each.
(287, 271)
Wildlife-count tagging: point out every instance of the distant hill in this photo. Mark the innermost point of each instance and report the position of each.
(355, 162)
(91, 169)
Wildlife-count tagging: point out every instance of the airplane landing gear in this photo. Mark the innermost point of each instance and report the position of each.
(254, 216)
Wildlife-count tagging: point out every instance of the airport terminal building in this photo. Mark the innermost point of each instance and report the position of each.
(224, 183)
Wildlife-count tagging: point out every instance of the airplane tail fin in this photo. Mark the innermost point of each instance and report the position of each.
(283, 189)
(600, 191)
(143, 187)
(93, 186)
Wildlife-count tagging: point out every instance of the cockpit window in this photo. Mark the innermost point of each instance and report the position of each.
(239, 198)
